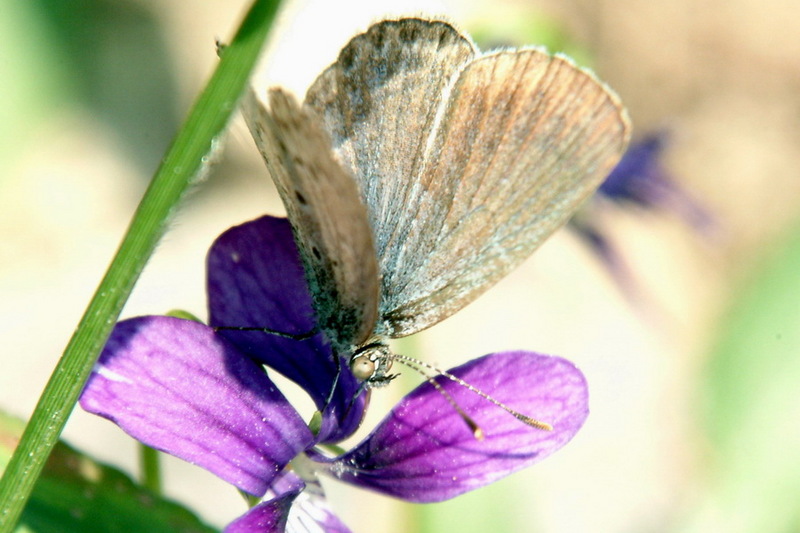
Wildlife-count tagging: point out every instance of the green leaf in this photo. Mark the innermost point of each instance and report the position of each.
(76, 494)
(150, 468)
(528, 26)
(180, 168)
(481, 510)
(119, 68)
(186, 315)
(752, 412)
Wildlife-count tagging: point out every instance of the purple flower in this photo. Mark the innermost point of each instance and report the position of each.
(640, 180)
(203, 394)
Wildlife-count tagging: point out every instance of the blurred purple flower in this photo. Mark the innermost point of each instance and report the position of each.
(639, 177)
(203, 395)
(639, 180)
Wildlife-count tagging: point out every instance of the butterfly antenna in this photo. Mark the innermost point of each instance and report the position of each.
(293, 336)
(477, 432)
(416, 364)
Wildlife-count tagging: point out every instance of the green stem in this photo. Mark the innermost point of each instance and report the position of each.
(177, 172)
(150, 468)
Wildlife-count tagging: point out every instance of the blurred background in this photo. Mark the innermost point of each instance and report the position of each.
(684, 313)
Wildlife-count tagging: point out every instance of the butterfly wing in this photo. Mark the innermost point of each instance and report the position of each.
(466, 164)
(522, 141)
(379, 102)
(328, 218)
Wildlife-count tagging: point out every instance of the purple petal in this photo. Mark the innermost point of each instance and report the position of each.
(343, 415)
(597, 240)
(267, 517)
(641, 179)
(270, 516)
(638, 176)
(311, 512)
(175, 385)
(255, 279)
(424, 452)
(293, 506)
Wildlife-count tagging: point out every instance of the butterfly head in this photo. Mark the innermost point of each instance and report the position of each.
(371, 362)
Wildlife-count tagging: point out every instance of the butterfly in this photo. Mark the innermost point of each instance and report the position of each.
(419, 171)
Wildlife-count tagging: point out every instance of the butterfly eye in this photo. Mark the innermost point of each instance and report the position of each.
(371, 363)
(362, 367)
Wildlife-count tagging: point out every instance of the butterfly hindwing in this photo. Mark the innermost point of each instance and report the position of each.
(523, 140)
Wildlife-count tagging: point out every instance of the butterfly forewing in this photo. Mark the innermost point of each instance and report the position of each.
(380, 101)
(328, 218)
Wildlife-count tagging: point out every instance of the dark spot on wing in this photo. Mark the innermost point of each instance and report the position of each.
(346, 57)
(409, 32)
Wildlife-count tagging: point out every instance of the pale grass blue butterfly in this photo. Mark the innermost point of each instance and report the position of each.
(419, 171)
